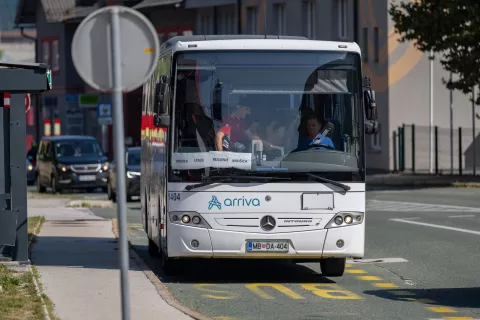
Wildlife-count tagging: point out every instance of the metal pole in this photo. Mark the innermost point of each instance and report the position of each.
(120, 160)
(18, 184)
(460, 149)
(105, 138)
(413, 148)
(431, 111)
(474, 133)
(451, 128)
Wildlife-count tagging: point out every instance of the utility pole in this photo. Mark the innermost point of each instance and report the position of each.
(451, 127)
(239, 16)
(431, 111)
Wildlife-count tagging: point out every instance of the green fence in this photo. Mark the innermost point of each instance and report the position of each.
(411, 150)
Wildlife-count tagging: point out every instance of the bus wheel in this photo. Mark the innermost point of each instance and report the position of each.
(169, 266)
(333, 267)
(152, 248)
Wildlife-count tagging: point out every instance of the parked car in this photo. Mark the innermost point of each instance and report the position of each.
(132, 172)
(71, 162)
(30, 173)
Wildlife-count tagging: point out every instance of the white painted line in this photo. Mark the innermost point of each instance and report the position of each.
(464, 216)
(379, 260)
(437, 226)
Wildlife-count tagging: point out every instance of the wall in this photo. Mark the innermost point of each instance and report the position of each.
(409, 82)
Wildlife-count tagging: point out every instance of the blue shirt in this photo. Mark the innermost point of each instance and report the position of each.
(319, 139)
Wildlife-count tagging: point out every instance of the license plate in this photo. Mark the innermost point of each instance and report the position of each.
(267, 246)
(87, 178)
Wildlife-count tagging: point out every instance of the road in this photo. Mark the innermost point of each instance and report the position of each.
(421, 262)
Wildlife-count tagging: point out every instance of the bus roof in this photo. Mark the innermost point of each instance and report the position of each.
(254, 42)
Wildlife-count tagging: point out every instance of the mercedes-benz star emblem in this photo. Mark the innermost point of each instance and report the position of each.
(267, 223)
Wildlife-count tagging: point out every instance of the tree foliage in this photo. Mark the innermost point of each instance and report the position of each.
(449, 28)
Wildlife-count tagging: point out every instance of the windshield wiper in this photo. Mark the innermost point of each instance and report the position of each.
(335, 183)
(230, 178)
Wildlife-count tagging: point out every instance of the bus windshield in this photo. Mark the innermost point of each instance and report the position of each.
(267, 113)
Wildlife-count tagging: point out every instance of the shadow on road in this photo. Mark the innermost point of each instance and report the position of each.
(233, 271)
(448, 297)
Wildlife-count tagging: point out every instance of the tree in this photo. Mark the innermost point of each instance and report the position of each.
(449, 28)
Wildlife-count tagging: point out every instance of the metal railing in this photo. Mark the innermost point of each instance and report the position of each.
(412, 150)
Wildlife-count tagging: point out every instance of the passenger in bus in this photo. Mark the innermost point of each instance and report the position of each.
(235, 127)
(314, 134)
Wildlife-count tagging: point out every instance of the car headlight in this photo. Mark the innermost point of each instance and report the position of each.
(105, 166)
(30, 167)
(188, 219)
(62, 167)
(344, 219)
(131, 174)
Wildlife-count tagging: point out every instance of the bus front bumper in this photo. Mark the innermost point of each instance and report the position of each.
(193, 242)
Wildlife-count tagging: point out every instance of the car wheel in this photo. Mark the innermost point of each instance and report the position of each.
(333, 267)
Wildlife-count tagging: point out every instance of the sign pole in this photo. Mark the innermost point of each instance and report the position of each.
(120, 159)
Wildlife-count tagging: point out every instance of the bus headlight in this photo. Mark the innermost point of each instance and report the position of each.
(192, 219)
(343, 219)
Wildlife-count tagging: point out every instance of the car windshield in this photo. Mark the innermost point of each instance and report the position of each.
(133, 157)
(78, 148)
(282, 112)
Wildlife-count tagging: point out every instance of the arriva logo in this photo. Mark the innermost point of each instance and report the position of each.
(235, 202)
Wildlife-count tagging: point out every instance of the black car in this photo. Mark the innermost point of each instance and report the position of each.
(71, 162)
(132, 166)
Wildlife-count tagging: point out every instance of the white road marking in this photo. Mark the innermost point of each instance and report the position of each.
(437, 226)
(463, 216)
(400, 206)
(379, 260)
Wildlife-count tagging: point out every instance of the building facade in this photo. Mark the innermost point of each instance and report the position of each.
(399, 72)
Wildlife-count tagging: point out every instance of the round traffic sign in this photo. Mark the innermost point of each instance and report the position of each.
(6, 101)
(92, 52)
(27, 102)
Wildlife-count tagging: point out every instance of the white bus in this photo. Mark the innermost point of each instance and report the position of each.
(253, 147)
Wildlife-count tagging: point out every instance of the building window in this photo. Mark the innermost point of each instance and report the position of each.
(46, 52)
(365, 44)
(55, 56)
(376, 44)
(342, 19)
(252, 20)
(226, 21)
(281, 19)
(309, 19)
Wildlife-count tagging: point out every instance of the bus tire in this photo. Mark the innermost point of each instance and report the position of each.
(333, 267)
(152, 248)
(169, 266)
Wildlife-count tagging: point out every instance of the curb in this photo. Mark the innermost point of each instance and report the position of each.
(159, 286)
(35, 282)
(89, 204)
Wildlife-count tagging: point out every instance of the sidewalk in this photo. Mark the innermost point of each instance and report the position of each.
(421, 180)
(77, 259)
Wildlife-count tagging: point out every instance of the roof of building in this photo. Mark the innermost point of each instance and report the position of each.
(145, 4)
(69, 11)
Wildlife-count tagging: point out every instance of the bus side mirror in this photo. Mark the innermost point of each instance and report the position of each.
(370, 104)
(161, 97)
(161, 121)
(371, 127)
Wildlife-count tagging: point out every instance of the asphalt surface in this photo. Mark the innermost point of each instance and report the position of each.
(428, 238)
